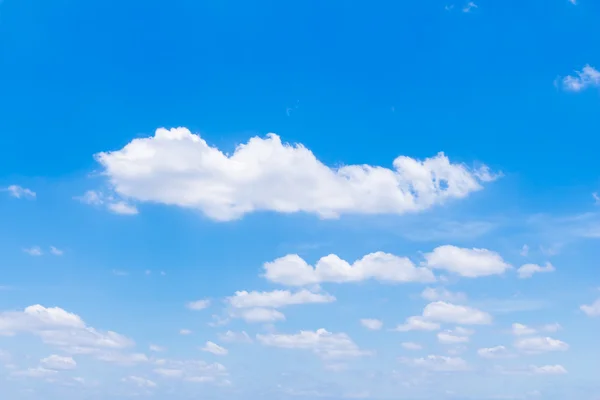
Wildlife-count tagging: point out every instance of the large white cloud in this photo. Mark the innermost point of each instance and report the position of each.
(323, 343)
(292, 270)
(276, 298)
(179, 168)
(470, 263)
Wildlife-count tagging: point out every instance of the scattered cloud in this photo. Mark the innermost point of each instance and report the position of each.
(20, 192)
(37, 372)
(176, 167)
(95, 198)
(276, 299)
(469, 7)
(371, 324)
(411, 346)
(185, 332)
(211, 347)
(260, 315)
(55, 251)
(35, 251)
(417, 323)
(596, 198)
(198, 304)
(438, 363)
(540, 344)
(441, 311)
(581, 80)
(140, 382)
(156, 349)
(549, 370)
(522, 330)
(443, 294)
(592, 310)
(292, 270)
(119, 272)
(240, 337)
(120, 207)
(469, 263)
(524, 250)
(56, 362)
(195, 371)
(494, 352)
(527, 270)
(456, 336)
(321, 342)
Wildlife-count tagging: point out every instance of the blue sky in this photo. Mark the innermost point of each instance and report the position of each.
(295, 200)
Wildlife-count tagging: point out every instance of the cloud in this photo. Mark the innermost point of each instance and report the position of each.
(438, 363)
(411, 346)
(240, 337)
(58, 362)
(55, 251)
(35, 251)
(321, 342)
(592, 310)
(95, 198)
(156, 349)
(539, 344)
(20, 192)
(527, 270)
(417, 323)
(277, 298)
(292, 270)
(176, 167)
(549, 370)
(522, 330)
(140, 382)
(38, 372)
(198, 304)
(441, 311)
(469, 263)
(196, 371)
(494, 352)
(458, 335)
(211, 347)
(185, 332)
(470, 6)
(436, 294)
(581, 80)
(371, 324)
(259, 315)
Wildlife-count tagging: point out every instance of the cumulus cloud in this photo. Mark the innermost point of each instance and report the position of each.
(198, 304)
(540, 344)
(321, 342)
(587, 77)
(211, 347)
(417, 323)
(592, 310)
(469, 263)
(292, 270)
(20, 192)
(441, 311)
(527, 270)
(176, 167)
(371, 324)
(438, 363)
(259, 315)
(277, 298)
(443, 294)
(494, 352)
(57, 362)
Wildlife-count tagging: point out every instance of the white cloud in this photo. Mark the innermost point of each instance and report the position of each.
(574, 2)
(470, 263)
(276, 298)
(522, 330)
(198, 304)
(596, 198)
(185, 332)
(494, 352)
(211, 347)
(417, 323)
(38, 372)
(20, 192)
(527, 270)
(587, 77)
(176, 167)
(292, 270)
(549, 370)
(191, 370)
(469, 6)
(116, 206)
(323, 343)
(443, 294)
(438, 363)
(411, 346)
(552, 327)
(140, 382)
(372, 324)
(458, 335)
(524, 250)
(540, 344)
(592, 310)
(156, 349)
(441, 311)
(120, 207)
(55, 251)
(35, 251)
(260, 315)
(57, 362)
(230, 336)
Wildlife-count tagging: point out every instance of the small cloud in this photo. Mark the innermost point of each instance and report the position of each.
(20, 192)
(411, 346)
(156, 349)
(371, 324)
(123, 208)
(56, 251)
(147, 272)
(198, 304)
(215, 349)
(118, 272)
(289, 110)
(91, 197)
(574, 2)
(592, 310)
(527, 270)
(35, 251)
(185, 332)
(96, 198)
(449, 7)
(470, 5)
(581, 80)
(596, 198)
(524, 250)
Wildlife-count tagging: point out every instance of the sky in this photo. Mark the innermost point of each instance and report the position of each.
(297, 200)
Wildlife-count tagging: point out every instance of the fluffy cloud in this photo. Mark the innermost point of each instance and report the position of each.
(540, 344)
(527, 270)
(470, 263)
(522, 330)
(438, 363)
(443, 294)
(494, 352)
(176, 167)
(458, 335)
(260, 315)
(441, 311)
(292, 270)
(58, 362)
(276, 298)
(587, 77)
(240, 337)
(549, 370)
(20, 192)
(215, 349)
(112, 204)
(372, 324)
(417, 323)
(593, 310)
(198, 304)
(323, 343)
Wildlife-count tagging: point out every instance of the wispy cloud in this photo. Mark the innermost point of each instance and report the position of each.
(35, 251)
(581, 80)
(56, 251)
(96, 198)
(470, 6)
(20, 192)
